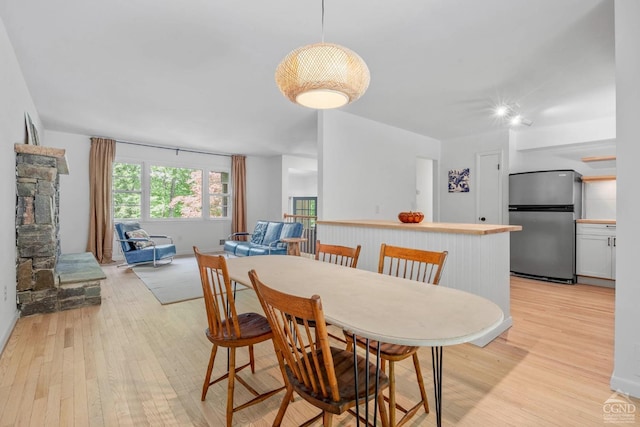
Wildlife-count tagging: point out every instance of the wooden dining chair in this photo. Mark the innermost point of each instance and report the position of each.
(415, 264)
(339, 255)
(322, 375)
(229, 329)
(336, 254)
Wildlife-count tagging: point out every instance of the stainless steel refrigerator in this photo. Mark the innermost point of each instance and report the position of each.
(546, 204)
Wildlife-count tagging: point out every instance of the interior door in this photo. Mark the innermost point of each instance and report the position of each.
(489, 204)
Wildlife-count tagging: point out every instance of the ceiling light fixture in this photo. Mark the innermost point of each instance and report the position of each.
(322, 75)
(510, 113)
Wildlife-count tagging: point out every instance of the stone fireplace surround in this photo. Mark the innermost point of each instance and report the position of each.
(46, 280)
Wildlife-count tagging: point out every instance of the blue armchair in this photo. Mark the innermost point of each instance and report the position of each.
(138, 247)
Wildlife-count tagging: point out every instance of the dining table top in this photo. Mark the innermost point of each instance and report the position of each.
(373, 305)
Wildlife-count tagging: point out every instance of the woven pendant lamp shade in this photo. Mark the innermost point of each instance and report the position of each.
(322, 76)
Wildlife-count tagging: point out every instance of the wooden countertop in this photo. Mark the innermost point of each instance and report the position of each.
(433, 227)
(596, 221)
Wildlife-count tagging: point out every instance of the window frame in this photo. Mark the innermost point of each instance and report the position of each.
(145, 211)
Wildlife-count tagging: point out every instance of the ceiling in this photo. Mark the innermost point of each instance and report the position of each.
(200, 74)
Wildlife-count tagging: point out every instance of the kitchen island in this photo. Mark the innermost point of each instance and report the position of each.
(478, 260)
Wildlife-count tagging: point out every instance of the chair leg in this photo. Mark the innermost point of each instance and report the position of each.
(252, 360)
(207, 378)
(327, 419)
(423, 393)
(288, 397)
(384, 417)
(349, 345)
(230, 385)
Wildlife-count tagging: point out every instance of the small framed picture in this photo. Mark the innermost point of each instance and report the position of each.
(459, 180)
(32, 131)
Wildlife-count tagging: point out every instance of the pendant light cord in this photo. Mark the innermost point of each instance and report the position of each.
(322, 21)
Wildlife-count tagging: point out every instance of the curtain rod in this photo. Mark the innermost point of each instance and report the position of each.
(177, 150)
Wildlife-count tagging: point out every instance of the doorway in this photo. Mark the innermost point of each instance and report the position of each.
(424, 187)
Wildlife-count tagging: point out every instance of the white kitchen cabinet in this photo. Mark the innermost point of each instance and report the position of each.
(596, 250)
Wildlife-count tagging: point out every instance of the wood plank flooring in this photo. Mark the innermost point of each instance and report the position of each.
(134, 362)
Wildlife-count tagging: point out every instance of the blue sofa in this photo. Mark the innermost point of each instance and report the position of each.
(265, 239)
(138, 247)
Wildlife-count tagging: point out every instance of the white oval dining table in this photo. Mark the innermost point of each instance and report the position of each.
(379, 307)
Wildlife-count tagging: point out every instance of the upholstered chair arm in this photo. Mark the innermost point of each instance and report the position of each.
(161, 236)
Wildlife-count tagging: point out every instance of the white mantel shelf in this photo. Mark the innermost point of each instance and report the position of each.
(478, 260)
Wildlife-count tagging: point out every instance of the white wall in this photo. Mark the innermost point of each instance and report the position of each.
(599, 199)
(15, 100)
(460, 153)
(300, 179)
(565, 134)
(74, 190)
(367, 170)
(264, 189)
(626, 374)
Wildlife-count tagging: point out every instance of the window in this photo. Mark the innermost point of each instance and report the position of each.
(218, 194)
(305, 206)
(142, 191)
(175, 192)
(127, 191)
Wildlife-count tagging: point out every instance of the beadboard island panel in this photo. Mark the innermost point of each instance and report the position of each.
(478, 260)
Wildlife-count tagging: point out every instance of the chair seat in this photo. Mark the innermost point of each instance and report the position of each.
(343, 365)
(253, 328)
(146, 254)
(387, 351)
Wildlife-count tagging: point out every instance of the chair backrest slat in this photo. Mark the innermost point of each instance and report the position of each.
(302, 348)
(218, 295)
(415, 264)
(336, 254)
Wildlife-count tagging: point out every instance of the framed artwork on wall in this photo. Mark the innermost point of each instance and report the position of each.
(459, 180)
(32, 132)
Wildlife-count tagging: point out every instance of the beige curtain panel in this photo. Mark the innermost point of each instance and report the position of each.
(239, 182)
(103, 152)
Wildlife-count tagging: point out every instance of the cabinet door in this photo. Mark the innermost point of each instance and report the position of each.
(593, 255)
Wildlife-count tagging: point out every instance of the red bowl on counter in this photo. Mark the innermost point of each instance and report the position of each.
(411, 217)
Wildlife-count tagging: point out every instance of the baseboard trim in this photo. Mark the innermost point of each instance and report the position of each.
(596, 281)
(625, 385)
(494, 333)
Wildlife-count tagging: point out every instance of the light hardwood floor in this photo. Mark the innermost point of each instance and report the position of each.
(134, 362)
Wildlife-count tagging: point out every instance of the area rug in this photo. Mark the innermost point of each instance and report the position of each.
(175, 282)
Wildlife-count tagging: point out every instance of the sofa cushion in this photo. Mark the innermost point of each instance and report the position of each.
(258, 232)
(231, 245)
(291, 229)
(146, 254)
(273, 233)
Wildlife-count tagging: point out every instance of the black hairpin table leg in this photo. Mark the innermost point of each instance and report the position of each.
(436, 356)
